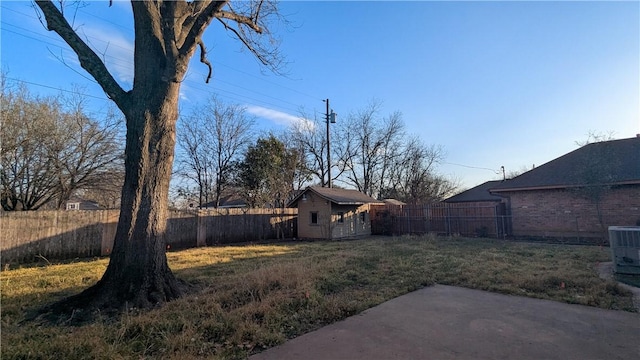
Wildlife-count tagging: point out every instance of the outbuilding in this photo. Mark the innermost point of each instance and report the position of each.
(331, 213)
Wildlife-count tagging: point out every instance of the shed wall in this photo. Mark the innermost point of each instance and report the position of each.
(313, 203)
(352, 225)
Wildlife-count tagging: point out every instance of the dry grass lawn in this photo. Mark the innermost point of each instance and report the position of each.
(256, 296)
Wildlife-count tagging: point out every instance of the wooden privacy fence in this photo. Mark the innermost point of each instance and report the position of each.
(28, 235)
(441, 218)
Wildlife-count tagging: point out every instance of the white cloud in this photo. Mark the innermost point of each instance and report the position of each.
(115, 49)
(279, 117)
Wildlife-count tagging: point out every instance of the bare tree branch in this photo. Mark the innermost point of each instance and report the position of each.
(51, 150)
(87, 57)
(240, 19)
(263, 59)
(204, 60)
(193, 27)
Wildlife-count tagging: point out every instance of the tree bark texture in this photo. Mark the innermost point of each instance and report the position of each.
(138, 259)
(167, 33)
(138, 274)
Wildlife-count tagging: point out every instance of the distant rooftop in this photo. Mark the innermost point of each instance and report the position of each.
(478, 193)
(393, 202)
(338, 196)
(618, 159)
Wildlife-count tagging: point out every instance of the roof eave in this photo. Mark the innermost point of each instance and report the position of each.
(359, 203)
(556, 187)
(473, 201)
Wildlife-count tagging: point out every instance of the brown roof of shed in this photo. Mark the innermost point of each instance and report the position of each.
(337, 196)
(615, 162)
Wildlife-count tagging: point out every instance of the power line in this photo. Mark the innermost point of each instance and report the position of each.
(91, 111)
(270, 82)
(92, 96)
(473, 167)
(64, 48)
(57, 88)
(128, 63)
(218, 91)
(106, 20)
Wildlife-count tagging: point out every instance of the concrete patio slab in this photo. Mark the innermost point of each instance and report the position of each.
(445, 322)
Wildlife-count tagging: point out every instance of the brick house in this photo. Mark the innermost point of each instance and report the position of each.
(578, 195)
(330, 213)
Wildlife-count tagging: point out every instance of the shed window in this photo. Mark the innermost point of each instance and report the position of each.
(314, 217)
(363, 216)
(341, 217)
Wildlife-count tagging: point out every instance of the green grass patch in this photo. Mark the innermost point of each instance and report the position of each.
(255, 297)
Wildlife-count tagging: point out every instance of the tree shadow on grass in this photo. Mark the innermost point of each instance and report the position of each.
(63, 309)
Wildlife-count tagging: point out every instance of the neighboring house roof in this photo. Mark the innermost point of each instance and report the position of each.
(394, 202)
(618, 162)
(82, 204)
(477, 194)
(229, 201)
(336, 196)
(233, 202)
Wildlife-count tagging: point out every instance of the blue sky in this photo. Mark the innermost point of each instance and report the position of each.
(495, 83)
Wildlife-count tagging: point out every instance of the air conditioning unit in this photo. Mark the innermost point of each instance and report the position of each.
(625, 248)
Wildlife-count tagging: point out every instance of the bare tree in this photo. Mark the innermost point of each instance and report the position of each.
(368, 146)
(596, 137)
(309, 138)
(213, 138)
(372, 154)
(302, 175)
(196, 162)
(27, 174)
(412, 176)
(86, 154)
(507, 175)
(50, 151)
(108, 190)
(167, 34)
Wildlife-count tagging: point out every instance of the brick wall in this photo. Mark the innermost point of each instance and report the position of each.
(563, 213)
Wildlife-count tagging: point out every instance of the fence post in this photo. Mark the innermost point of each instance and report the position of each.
(495, 216)
(109, 227)
(201, 229)
(448, 217)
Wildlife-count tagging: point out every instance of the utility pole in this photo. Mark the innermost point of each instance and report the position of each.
(330, 118)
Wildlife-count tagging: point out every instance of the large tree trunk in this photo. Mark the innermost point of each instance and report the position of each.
(140, 238)
(166, 36)
(138, 274)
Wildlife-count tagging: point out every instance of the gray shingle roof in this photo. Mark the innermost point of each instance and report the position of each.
(613, 162)
(478, 193)
(337, 196)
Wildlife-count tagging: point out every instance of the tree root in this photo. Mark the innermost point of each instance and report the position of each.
(107, 301)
